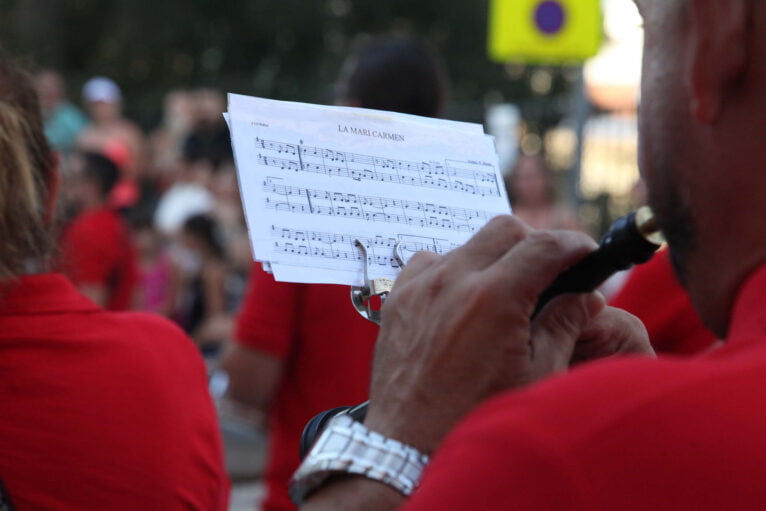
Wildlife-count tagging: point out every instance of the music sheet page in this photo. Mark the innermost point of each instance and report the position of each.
(314, 179)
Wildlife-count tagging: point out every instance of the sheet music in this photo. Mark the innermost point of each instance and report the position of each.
(314, 179)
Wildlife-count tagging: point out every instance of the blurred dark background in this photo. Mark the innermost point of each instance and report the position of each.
(281, 49)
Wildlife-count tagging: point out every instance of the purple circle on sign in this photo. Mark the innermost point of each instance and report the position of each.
(550, 16)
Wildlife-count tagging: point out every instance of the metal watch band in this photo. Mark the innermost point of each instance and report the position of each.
(346, 446)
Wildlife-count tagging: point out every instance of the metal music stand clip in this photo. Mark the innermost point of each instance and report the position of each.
(360, 296)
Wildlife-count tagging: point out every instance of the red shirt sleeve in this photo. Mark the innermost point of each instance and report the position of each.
(267, 319)
(496, 465)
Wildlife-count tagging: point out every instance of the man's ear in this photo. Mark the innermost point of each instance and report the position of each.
(719, 35)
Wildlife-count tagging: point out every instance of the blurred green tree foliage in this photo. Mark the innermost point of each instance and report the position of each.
(282, 49)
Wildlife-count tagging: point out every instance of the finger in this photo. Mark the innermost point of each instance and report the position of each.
(489, 244)
(532, 264)
(557, 328)
(614, 331)
(416, 265)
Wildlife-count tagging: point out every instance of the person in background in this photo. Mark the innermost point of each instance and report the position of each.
(207, 320)
(301, 349)
(230, 218)
(532, 193)
(63, 120)
(397, 74)
(208, 142)
(188, 195)
(110, 133)
(97, 251)
(166, 142)
(100, 410)
(159, 278)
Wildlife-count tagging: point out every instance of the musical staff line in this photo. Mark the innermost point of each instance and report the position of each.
(450, 175)
(296, 199)
(341, 246)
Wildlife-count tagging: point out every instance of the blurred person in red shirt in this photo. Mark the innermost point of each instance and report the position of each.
(100, 410)
(97, 250)
(302, 349)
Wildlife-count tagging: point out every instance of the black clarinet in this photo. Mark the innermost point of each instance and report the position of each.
(632, 239)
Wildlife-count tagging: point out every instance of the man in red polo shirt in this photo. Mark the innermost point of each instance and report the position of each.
(311, 349)
(303, 348)
(457, 352)
(97, 252)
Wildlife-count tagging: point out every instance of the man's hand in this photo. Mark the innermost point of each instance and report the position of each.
(613, 332)
(456, 329)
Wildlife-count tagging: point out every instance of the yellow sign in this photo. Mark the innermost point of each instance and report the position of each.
(544, 31)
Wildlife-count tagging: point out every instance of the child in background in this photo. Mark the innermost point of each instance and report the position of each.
(159, 278)
(207, 319)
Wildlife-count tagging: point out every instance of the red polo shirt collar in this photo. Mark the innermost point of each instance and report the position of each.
(43, 293)
(749, 317)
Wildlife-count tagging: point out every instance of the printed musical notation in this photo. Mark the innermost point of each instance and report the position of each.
(341, 246)
(296, 199)
(463, 177)
(314, 179)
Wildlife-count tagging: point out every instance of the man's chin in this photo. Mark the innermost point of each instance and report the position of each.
(678, 226)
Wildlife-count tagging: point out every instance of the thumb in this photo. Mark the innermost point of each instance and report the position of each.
(557, 328)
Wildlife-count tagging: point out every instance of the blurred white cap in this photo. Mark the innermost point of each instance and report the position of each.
(103, 89)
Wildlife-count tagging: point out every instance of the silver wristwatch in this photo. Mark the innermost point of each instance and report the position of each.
(346, 446)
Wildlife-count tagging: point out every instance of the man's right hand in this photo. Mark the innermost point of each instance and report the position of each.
(456, 329)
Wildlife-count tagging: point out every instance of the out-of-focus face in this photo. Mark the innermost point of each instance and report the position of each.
(665, 125)
(76, 189)
(147, 241)
(208, 105)
(190, 241)
(530, 183)
(178, 110)
(103, 111)
(50, 90)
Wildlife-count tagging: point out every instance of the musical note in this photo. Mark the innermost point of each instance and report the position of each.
(453, 175)
(314, 179)
(341, 246)
(371, 208)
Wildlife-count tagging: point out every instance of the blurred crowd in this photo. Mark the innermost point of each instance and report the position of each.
(154, 222)
(149, 221)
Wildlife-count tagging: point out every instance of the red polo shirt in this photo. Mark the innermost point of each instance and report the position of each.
(633, 434)
(654, 294)
(102, 410)
(97, 249)
(326, 347)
